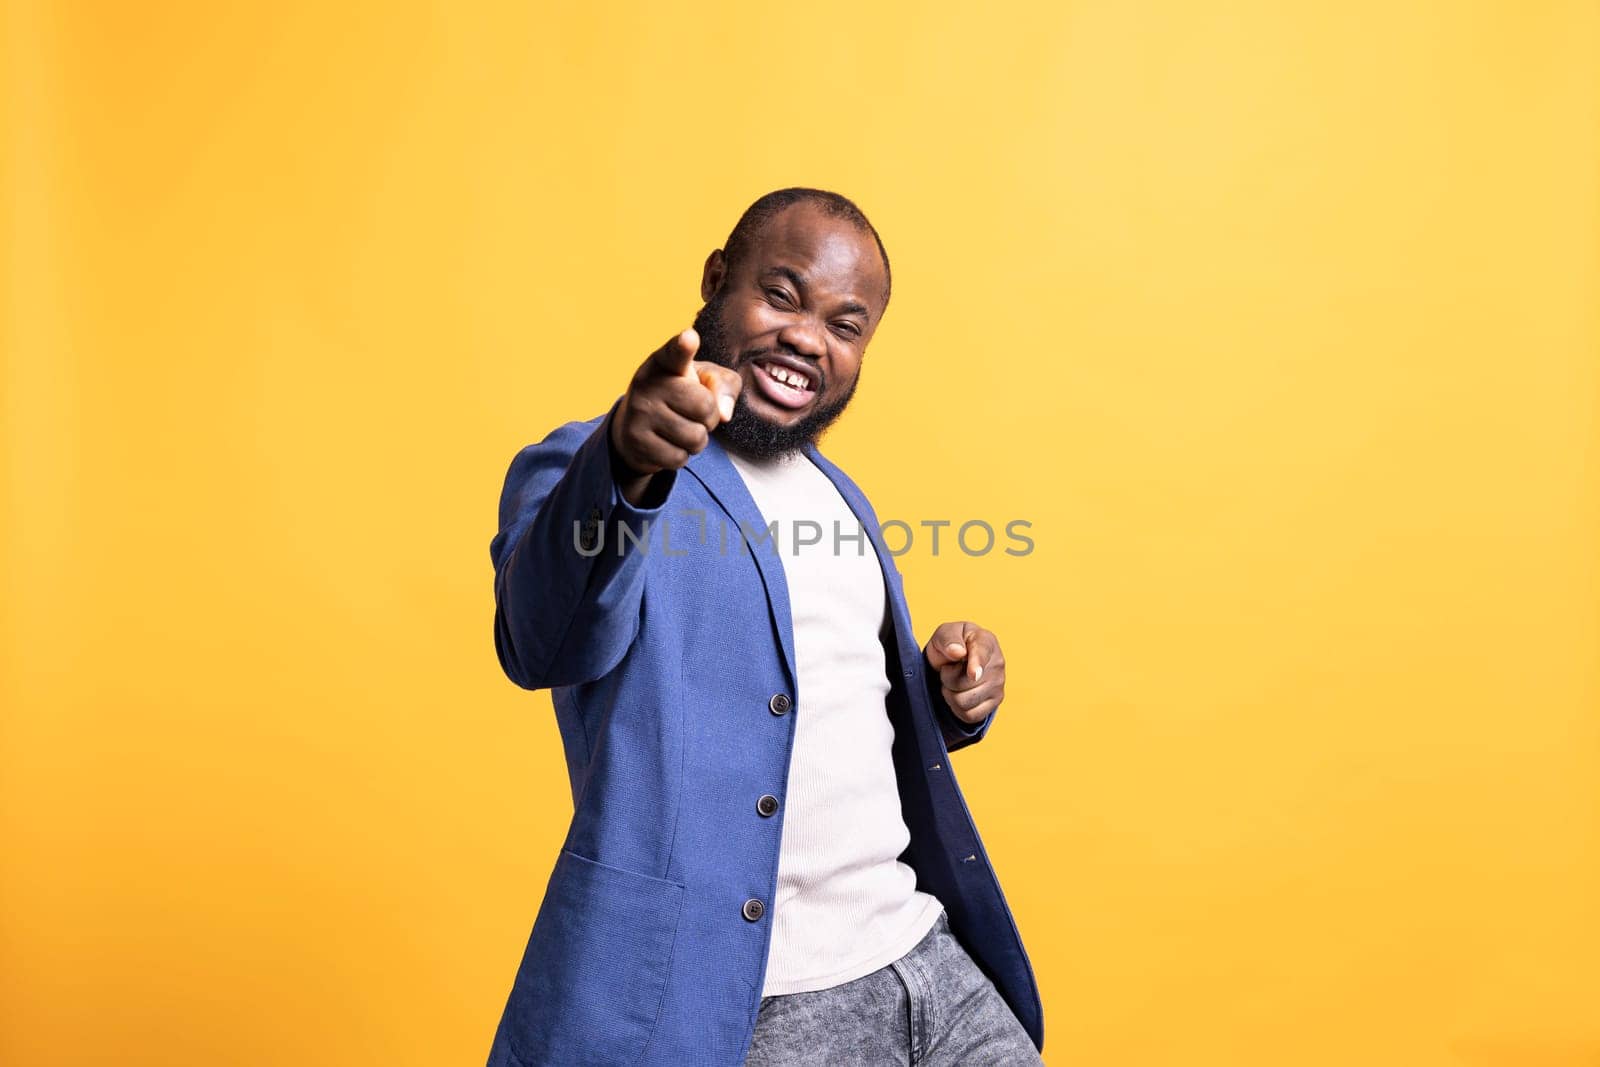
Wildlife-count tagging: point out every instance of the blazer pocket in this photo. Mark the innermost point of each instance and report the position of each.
(590, 985)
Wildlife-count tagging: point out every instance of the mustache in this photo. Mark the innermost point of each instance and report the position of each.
(820, 380)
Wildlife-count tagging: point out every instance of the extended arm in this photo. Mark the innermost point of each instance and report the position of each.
(566, 599)
(576, 515)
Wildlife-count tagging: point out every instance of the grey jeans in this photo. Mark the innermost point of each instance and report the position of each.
(931, 1007)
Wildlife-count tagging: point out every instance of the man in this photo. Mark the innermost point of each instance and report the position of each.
(769, 859)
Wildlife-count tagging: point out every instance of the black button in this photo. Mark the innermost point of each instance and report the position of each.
(779, 703)
(754, 909)
(767, 805)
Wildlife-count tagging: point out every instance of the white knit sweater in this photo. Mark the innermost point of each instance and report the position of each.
(845, 905)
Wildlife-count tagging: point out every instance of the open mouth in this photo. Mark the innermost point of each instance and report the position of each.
(783, 385)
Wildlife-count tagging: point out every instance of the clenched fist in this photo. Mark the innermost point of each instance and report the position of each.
(972, 672)
(669, 411)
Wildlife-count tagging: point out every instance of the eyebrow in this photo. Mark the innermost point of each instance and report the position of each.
(848, 307)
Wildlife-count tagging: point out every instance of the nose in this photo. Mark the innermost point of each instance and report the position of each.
(805, 338)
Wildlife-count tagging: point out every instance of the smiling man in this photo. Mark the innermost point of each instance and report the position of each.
(769, 860)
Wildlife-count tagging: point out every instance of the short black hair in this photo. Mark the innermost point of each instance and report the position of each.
(840, 207)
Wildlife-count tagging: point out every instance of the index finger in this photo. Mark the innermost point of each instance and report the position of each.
(677, 355)
(977, 650)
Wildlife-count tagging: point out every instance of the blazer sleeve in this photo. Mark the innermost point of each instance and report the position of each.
(566, 611)
(957, 734)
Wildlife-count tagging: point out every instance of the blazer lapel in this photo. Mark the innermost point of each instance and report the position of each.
(712, 467)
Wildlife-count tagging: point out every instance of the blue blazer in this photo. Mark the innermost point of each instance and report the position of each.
(671, 667)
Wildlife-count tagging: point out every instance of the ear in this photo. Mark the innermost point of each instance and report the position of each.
(711, 278)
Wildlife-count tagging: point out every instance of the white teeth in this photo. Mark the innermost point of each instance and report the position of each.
(788, 377)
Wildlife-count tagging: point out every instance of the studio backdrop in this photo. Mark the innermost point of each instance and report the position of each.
(1274, 324)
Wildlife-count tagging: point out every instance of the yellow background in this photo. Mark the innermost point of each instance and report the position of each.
(1278, 321)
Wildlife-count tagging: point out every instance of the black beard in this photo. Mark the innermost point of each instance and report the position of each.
(747, 433)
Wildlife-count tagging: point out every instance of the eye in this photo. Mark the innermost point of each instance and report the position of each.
(847, 329)
(779, 296)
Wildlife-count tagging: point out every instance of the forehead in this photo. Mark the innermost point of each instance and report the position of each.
(833, 254)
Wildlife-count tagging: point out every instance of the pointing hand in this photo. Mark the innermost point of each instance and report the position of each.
(972, 672)
(672, 404)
